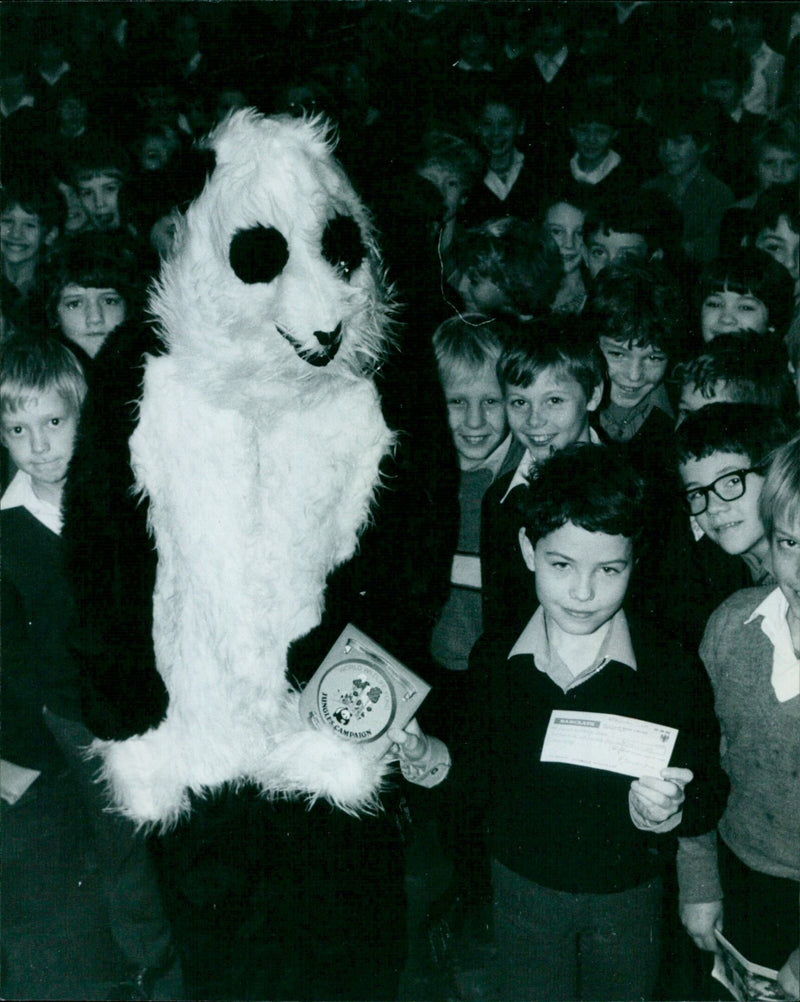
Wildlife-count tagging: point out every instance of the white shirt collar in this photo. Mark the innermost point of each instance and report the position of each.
(614, 645)
(624, 10)
(193, 63)
(462, 64)
(602, 170)
(785, 677)
(26, 101)
(501, 187)
(20, 494)
(56, 75)
(550, 65)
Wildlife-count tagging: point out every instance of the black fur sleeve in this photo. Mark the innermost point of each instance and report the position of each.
(110, 558)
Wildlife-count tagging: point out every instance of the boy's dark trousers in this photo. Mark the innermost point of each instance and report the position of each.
(136, 917)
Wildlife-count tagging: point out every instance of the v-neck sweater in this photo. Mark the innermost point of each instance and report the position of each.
(568, 827)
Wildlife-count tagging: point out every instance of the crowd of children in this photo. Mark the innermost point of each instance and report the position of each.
(590, 215)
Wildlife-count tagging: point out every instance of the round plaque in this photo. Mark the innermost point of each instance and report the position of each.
(356, 699)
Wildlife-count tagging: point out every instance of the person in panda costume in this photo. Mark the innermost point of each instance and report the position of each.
(226, 468)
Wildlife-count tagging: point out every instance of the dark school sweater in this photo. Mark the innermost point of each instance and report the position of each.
(568, 827)
(38, 669)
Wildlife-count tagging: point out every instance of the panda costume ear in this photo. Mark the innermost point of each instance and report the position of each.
(196, 168)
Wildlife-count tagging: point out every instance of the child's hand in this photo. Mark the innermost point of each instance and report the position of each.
(789, 975)
(423, 760)
(410, 744)
(700, 919)
(654, 802)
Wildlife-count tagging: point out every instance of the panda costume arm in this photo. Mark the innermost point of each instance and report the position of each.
(111, 562)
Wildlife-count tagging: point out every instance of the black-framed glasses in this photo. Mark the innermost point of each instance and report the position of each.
(728, 487)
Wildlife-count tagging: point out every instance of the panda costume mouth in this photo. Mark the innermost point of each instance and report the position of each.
(330, 342)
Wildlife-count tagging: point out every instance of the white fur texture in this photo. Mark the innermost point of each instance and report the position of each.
(260, 469)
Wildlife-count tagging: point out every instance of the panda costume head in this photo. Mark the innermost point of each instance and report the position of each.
(275, 263)
(257, 447)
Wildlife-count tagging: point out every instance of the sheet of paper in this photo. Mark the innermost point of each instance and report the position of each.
(605, 741)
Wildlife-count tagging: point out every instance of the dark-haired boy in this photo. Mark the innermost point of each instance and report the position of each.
(593, 123)
(30, 213)
(639, 227)
(718, 544)
(98, 173)
(724, 74)
(577, 894)
(685, 132)
(552, 379)
(510, 186)
(635, 313)
(731, 370)
(774, 226)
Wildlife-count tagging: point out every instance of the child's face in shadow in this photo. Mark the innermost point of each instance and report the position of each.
(99, 195)
(475, 412)
(592, 142)
(551, 413)
(605, 248)
(693, 398)
(679, 155)
(21, 235)
(564, 223)
(498, 130)
(449, 184)
(777, 166)
(783, 244)
(40, 437)
(480, 293)
(88, 316)
(581, 576)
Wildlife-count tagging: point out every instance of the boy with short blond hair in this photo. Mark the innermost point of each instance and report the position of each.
(42, 388)
(467, 350)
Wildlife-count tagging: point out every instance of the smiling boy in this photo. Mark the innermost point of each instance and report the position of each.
(551, 374)
(29, 218)
(635, 313)
(98, 174)
(685, 131)
(467, 349)
(721, 451)
(588, 873)
(745, 877)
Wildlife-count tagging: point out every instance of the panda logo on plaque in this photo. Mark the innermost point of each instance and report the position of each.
(360, 690)
(356, 700)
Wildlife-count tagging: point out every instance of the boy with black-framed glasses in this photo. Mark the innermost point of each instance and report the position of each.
(721, 453)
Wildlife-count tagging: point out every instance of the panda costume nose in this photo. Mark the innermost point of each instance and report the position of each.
(328, 338)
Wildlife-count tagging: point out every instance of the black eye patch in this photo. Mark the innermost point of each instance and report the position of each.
(342, 245)
(259, 254)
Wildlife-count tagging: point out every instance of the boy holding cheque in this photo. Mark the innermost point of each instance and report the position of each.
(565, 714)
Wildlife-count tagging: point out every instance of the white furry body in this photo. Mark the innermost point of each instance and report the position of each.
(259, 470)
